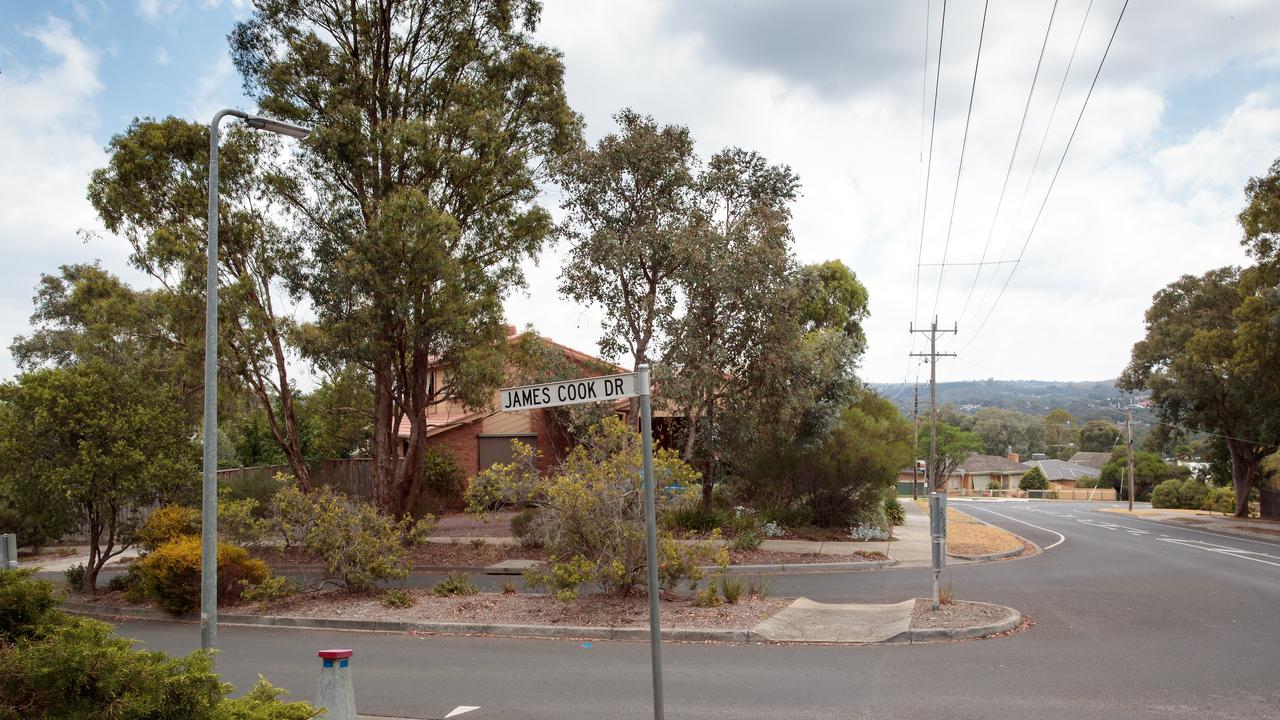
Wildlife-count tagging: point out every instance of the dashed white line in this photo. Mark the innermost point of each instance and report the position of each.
(1061, 538)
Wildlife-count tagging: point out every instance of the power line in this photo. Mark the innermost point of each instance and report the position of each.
(964, 142)
(968, 264)
(1053, 180)
(933, 124)
(1012, 156)
(924, 114)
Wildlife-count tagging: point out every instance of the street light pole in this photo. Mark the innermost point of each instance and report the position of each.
(209, 481)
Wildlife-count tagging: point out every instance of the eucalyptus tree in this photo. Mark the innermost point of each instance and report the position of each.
(434, 122)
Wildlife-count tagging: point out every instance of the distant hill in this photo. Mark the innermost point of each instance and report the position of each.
(1085, 400)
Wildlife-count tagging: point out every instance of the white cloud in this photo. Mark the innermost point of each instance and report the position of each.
(161, 56)
(47, 142)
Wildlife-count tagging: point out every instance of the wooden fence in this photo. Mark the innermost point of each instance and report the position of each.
(353, 476)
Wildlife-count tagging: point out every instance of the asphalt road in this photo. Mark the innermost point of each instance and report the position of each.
(1132, 620)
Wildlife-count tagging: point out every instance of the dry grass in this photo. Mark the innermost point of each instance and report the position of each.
(966, 535)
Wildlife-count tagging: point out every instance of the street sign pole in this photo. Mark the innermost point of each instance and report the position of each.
(607, 389)
(651, 535)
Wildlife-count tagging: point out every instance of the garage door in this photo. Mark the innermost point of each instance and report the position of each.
(498, 449)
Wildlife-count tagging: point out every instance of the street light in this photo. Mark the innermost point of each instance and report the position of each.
(209, 491)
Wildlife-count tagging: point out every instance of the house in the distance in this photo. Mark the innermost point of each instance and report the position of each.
(977, 471)
(1094, 460)
(1062, 473)
(478, 438)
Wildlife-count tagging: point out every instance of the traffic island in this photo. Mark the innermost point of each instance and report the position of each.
(778, 620)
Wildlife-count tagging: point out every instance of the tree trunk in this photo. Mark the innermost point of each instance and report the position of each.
(1244, 470)
(385, 438)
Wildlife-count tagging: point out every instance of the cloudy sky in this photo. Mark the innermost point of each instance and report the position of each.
(1187, 108)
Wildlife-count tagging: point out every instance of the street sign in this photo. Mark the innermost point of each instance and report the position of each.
(569, 392)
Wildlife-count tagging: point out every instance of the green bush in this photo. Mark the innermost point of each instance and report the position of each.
(269, 589)
(749, 540)
(1221, 499)
(171, 574)
(443, 482)
(732, 588)
(1191, 494)
(358, 545)
(591, 512)
(166, 524)
(993, 484)
(708, 596)
(786, 516)
(1165, 495)
(696, 518)
(60, 666)
(397, 599)
(74, 576)
(1033, 479)
(524, 527)
(893, 510)
(27, 606)
(458, 583)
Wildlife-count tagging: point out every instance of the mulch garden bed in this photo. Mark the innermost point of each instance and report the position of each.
(954, 614)
(678, 611)
(770, 557)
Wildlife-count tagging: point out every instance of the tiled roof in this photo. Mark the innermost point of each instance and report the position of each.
(1063, 470)
(990, 464)
(438, 421)
(1094, 460)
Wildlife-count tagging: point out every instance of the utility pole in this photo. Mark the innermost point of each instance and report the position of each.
(1128, 424)
(933, 355)
(915, 445)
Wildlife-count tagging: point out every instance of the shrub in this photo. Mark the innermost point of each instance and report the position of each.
(785, 516)
(1222, 499)
(732, 588)
(1165, 495)
(269, 589)
(894, 512)
(708, 597)
(743, 520)
(263, 703)
(1191, 494)
(1033, 479)
(696, 518)
(358, 545)
(457, 583)
(171, 574)
(591, 512)
(121, 583)
(166, 524)
(509, 587)
(760, 587)
(27, 606)
(868, 533)
(238, 521)
(750, 540)
(397, 599)
(993, 484)
(443, 482)
(524, 527)
(946, 595)
(772, 529)
(74, 576)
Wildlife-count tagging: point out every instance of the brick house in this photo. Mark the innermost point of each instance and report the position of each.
(480, 438)
(976, 471)
(1062, 473)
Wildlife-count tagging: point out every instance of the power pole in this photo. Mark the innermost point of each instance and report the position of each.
(915, 445)
(932, 471)
(1128, 424)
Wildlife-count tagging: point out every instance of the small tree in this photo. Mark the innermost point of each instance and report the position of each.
(591, 511)
(1033, 479)
(100, 443)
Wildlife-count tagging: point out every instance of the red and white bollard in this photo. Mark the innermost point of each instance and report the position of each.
(334, 692)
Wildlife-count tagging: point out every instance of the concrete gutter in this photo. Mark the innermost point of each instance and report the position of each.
(1012, 619)
(991, 556)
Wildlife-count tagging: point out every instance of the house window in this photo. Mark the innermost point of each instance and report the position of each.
(498, 448)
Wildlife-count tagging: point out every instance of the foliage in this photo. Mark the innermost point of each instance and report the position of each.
(760, 587)
(98, 440)
(1060, 433)
(893, 510)
(1033, 479)
(1185, 494)
(993, 484)
(525, 528)
(954, 446)
(946, 595)
(1003, 430)
(171, 573)
(627, 203)
(417, 190)
(1220, 499)
(53, 665)
(1148, 470)
(1207, 359)
(269, 589)
(396, 598)
(832, 298)
(458, 583)
(238, 521)
(708, 596)
(748, 540)
(868, 532)
(732, 588)
(695, 518)
(166, 524)
(27, 606)
(591, 511)
(358, 545)
(75, 577)
(1099, 436)
(443, 482)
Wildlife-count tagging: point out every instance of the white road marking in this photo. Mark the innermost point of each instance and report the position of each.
(1061, 538)
(1224, 536)
(1223, 550)
(462, 709)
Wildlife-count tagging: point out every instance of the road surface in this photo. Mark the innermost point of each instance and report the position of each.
(1132, 620)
